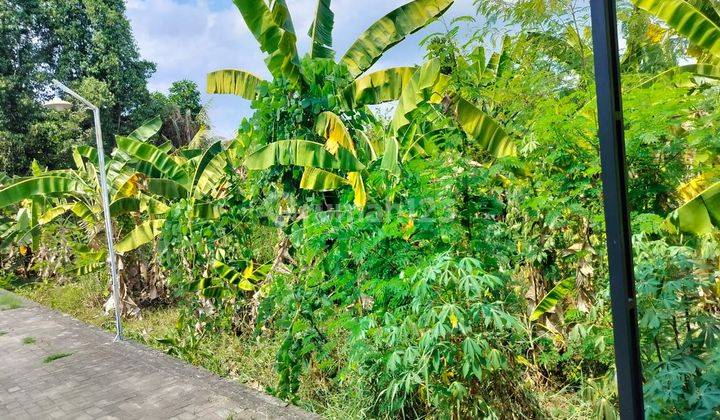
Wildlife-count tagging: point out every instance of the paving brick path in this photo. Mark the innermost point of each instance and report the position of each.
(102, 379)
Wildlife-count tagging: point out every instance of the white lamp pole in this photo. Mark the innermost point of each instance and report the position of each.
(62, 105)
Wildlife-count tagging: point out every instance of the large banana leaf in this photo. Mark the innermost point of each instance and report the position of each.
(426, 85)
(301, 153)
(316, 179)
(124, 206)
(210, 171)
(233, 82)
(701, 215)
(390, 30)
(482, 128)
(378, 87)
(167, 188)
(687, 20)
(321, 31)
(55, 212)
(278, 42)
(140, 236)
(554, 296)
(157, 158)
(148, 129)
(42, 185)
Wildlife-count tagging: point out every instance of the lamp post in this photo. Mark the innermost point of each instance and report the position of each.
(60, 105)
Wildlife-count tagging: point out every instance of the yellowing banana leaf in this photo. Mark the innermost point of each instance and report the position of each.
(701, 215)
(554, 296)
(426, 85)
(141, 235)
(148, 129)
(233, 82)
(301, 153)
(378, 87)
(330, 127)
(129, 184)
(278, 42)
(482, 128)
(43, 185)
(321, 31)
(687, 20)
(358, 184)
(157, 158)
(55, 212)
(316, 179)
(390, 30)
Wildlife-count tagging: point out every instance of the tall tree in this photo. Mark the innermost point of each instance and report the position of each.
(69, 40)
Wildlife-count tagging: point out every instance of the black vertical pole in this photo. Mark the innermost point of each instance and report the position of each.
(614, 175)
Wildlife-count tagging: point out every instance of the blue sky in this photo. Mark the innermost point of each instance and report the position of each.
(188, 38)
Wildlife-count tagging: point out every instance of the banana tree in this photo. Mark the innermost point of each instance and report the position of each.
(273, 28)
(189, 174)
(699, 215)
(699, 22)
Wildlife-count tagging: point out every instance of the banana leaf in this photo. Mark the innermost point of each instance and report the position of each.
(426, 85)
(701, 215)
(330, 127)
(148, 129)
(687, 20)
(141, 235)
(124, 205)
(301, 153)
(481, 128)
(321, 180)
(157, 158)
(554, 296)
(321, 31)
(278, 42)
(233, 82)
(210, 172)
(43, 185)
(391, 29)
(167, 189)
(378, 87)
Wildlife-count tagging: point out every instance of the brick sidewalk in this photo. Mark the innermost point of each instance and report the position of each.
(102, 379)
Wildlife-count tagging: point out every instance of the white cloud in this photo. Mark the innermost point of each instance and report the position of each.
(189, 39)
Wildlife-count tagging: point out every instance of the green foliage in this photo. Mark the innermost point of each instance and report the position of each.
(448, 348)
(678, 304)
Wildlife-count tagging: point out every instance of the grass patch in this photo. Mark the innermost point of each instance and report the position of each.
(56, 356)
(29, 340)
(2, 333)
(9, 302)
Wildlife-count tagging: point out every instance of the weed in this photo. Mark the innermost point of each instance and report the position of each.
(29, 340)
(9, 302)
(56, 356)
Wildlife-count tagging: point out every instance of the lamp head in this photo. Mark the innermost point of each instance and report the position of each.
(58, 104)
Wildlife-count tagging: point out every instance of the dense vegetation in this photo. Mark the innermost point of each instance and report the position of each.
(445, 259)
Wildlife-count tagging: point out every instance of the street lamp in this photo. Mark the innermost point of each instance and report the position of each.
(60, 105)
